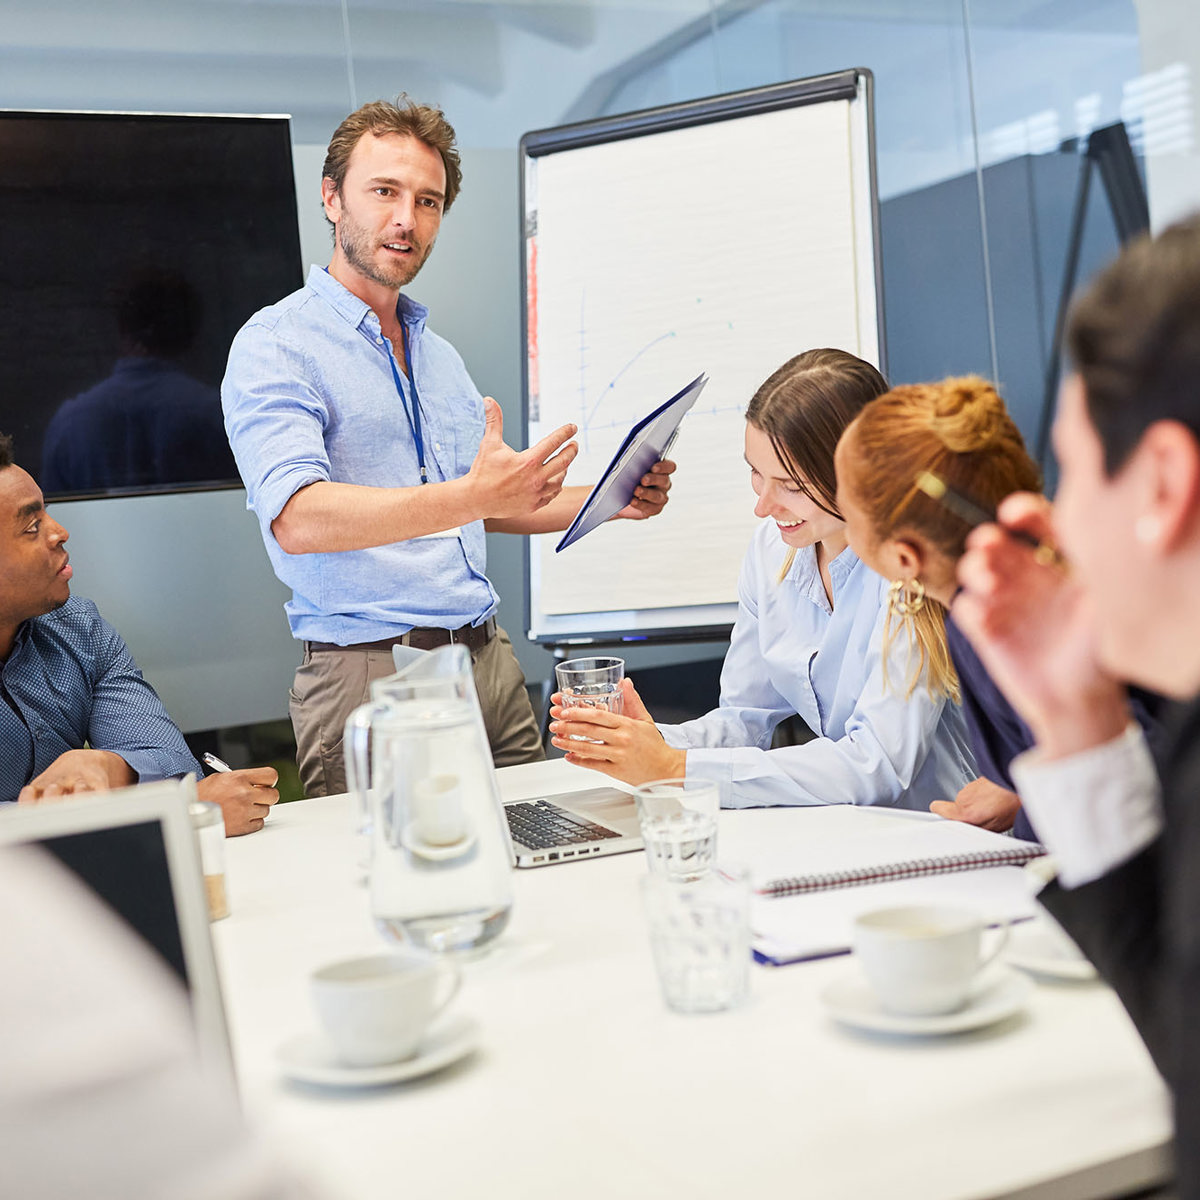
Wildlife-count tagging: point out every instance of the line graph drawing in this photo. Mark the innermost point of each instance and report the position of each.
(714, 411)
(589, 408)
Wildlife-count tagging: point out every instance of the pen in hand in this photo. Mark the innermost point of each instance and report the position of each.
(217, 764)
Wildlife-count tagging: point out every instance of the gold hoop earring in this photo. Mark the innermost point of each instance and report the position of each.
(906, 597)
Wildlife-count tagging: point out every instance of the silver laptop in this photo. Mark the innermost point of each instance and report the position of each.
(135, 848)
(568, 826)
(551, 828)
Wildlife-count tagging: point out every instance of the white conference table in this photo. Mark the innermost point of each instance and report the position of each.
(584, 1085)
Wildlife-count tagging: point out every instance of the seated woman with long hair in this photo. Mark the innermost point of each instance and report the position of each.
(809, 640)
(959, 432)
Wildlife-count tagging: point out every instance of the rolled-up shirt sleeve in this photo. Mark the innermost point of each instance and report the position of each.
(275, 419)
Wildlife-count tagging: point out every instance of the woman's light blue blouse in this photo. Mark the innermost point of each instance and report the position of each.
(791, 653)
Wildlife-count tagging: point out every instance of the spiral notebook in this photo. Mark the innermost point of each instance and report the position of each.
(1016, 854)
(815, 871)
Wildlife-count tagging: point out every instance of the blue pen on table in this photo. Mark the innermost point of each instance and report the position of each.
(217, 764)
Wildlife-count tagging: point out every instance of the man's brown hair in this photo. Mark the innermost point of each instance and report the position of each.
(405, 117)
(6, 458)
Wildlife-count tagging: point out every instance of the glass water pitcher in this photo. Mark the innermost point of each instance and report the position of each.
(419, 765)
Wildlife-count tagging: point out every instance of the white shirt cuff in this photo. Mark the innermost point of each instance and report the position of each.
(1094, 810)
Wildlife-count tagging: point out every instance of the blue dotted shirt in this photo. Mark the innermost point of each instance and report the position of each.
(71, 680)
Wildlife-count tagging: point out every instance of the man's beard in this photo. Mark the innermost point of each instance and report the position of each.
(357, 248)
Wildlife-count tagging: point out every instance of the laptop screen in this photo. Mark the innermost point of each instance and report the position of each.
(127, 867)
(136, 850)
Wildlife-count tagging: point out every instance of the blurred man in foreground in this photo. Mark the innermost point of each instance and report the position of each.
(1127, 515)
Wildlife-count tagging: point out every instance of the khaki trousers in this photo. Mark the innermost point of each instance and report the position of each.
(331, 684)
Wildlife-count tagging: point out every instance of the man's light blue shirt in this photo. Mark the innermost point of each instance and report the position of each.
(309, 395)
(791, 652)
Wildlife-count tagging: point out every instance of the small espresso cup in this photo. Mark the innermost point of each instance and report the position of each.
(921, 960)
(375, 1010)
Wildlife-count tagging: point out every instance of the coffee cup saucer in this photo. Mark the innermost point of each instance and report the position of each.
(309, 1057)
(1047, 952)
(998, 993)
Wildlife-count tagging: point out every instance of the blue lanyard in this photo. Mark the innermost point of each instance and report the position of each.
(414, 413)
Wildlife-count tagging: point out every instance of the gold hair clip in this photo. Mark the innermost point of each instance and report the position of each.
(974, 515)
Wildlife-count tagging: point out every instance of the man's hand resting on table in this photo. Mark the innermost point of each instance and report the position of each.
(76, 772)
(245, 797)
(981, 803)
(628, 747)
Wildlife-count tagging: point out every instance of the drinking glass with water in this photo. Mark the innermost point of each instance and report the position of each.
(591, 683)
(700, 939)
(678, 818)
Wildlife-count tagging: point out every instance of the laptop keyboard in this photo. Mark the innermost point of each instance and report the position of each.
(540, 825)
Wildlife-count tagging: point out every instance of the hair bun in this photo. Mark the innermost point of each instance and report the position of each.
(968, 415)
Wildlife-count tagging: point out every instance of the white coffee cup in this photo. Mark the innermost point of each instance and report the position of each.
(921, 960)
(375, 1009)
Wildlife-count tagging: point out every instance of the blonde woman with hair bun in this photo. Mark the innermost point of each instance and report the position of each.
(809, 640)
(959, 432)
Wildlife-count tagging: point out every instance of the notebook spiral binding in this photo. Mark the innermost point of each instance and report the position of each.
(798, 885)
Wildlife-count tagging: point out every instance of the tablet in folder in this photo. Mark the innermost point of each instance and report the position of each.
(647, 442)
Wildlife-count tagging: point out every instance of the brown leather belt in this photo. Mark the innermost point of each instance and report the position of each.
(474, 637)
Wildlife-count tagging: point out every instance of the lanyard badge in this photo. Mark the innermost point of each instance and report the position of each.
(413, 412)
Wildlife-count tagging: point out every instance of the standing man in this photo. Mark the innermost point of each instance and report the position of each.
(371, 459)
(75, 713)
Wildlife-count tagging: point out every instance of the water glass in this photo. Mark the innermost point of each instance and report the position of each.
(700, 938)
(591, 683)
(679, 826)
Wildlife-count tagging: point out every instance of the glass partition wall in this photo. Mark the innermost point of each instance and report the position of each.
(981, 111)
(980, 104)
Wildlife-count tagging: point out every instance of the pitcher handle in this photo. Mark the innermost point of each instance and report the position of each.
(356, 749)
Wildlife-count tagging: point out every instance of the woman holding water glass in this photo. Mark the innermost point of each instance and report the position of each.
(809, 640)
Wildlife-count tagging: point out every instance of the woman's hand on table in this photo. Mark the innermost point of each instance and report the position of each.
(627, 747)
(981, 803)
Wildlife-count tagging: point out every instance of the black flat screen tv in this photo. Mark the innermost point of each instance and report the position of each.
(133, 246)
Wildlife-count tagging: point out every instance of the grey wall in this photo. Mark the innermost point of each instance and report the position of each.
(186, 581)
(936, 303)
(185, 577)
